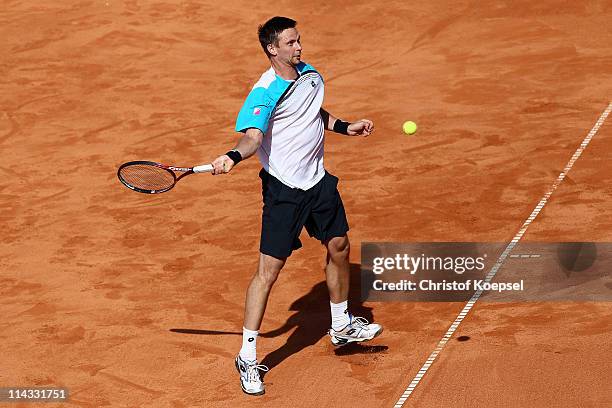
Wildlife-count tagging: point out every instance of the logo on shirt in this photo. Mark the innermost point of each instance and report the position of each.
(313, 83)
(256, 111)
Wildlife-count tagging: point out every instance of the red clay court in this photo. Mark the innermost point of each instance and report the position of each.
(129, 300)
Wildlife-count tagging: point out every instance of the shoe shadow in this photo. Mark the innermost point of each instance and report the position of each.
(357, 348)
(311, 321)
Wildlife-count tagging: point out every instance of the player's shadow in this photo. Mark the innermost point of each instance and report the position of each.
(311, 321)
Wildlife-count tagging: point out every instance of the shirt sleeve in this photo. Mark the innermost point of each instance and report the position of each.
(255, 112)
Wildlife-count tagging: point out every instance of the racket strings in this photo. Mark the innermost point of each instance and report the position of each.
(147, 177)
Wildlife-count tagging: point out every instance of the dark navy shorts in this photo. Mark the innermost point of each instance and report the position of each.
(286, 210)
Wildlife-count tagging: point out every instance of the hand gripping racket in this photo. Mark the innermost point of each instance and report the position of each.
(153, 178)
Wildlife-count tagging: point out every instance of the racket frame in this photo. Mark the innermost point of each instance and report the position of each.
(170, 169)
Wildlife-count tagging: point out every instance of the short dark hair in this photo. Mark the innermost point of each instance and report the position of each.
(269, 31)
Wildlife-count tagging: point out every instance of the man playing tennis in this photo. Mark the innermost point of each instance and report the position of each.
(284, 123)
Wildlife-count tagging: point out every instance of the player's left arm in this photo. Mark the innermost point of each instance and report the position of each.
(363, 127)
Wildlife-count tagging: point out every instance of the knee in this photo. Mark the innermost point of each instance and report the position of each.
(268, 270)
(267, 276)
(339, 249)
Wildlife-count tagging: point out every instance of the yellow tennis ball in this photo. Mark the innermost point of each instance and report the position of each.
(409, 127)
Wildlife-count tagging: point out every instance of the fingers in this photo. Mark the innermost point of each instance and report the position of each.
(222, 165)
(363, 127)
(368, 127)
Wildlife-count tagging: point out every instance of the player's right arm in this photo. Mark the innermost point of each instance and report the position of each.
(253, 120)
(247, 146)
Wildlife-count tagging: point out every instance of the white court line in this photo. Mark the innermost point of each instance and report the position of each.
(434, 354)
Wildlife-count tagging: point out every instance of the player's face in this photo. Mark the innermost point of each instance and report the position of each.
(289, 49)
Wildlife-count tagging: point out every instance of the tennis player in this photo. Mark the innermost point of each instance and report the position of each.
(283, 122)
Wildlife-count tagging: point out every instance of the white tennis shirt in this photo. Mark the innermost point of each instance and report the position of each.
(289, 115)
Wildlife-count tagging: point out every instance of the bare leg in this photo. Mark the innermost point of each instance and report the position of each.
(259, 290)
(337, 269)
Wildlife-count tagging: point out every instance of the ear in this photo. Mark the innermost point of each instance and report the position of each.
(272, 49)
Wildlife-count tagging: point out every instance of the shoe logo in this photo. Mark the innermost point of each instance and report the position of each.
(351, 331)
(242, 369)
(251, 339)
(346, 311)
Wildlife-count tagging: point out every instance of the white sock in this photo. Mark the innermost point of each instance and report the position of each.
(248, 352)
(339, 315)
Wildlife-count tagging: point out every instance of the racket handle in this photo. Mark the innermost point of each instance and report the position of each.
(203, 168)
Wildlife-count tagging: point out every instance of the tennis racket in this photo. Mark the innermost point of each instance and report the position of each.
(154, 178)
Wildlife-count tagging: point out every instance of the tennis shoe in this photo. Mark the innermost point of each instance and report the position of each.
(358, 330)
(250, 381)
